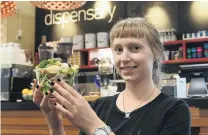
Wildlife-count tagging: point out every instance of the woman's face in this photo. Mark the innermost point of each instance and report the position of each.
(133, 58)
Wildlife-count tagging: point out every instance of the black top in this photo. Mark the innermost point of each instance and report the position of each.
(162, 116)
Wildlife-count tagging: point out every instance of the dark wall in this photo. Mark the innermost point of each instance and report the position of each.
(189, 23)
(141, 8)
(178, 14)
(55, 32)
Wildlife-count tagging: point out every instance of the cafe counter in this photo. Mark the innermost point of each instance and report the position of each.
(25, 118)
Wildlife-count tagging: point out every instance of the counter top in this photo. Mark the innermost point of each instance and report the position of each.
(30, 105)
(196, 102)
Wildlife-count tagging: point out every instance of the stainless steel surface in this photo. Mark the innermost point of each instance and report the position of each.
(4, 96)
(22, 71)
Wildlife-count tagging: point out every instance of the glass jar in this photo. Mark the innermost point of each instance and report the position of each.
(105, 66)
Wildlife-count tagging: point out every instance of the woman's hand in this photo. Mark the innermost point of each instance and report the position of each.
(52, 116)
(75, 107)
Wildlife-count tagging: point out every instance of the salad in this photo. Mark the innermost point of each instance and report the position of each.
(52, 69)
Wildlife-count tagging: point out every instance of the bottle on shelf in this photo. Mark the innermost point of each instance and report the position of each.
(206, 50)
(189, 56)
(180, 50)
(176, 55)
(168, 35)
(199, 52)
(193, 52)
(165, 36)
(169, 38)
(173, 55)
(173, 34)
(162, 36)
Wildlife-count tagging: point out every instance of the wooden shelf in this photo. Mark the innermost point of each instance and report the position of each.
(177, 42)
(196, 40)
(183, 43)
(196, 60)
(88, 67)
(89, 49)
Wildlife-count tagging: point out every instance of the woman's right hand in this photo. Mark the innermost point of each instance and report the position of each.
(45, 102)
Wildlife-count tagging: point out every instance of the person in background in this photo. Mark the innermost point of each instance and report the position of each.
(141, 109)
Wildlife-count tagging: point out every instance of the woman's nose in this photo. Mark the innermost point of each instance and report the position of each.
(125, 56)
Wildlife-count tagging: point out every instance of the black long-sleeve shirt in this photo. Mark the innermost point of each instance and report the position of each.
(162, 116)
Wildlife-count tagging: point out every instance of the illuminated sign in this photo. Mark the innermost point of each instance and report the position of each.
(76, 16)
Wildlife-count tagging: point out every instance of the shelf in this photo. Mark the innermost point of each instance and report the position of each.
(196, 60)
(177, 42)
(182, 43)
(88, 67)
(196, 40)
(89, 49)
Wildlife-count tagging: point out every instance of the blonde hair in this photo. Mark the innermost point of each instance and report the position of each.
(141, 28)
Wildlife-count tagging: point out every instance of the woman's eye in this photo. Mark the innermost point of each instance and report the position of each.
(135, 48)
(118, 50)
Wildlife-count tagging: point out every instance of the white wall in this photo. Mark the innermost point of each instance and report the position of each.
(26, 22)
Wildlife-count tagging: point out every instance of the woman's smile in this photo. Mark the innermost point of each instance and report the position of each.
(128, 69)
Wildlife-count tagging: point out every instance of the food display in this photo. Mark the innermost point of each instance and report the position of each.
(27, 94)
(52, 69)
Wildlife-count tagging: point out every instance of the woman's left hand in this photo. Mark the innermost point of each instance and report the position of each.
(75, 107)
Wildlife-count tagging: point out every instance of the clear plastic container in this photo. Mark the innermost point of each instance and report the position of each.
(105, 66)
(45, 75)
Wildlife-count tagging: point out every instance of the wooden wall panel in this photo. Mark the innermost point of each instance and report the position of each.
(29, 123)
(33, 123)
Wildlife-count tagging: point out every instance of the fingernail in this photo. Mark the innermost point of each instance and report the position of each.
(46, 93)
(58, 79)
(37, 86)
(52, 83)
(51, 90)
(55, 104)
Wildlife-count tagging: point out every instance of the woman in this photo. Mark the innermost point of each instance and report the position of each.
(141, 109)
